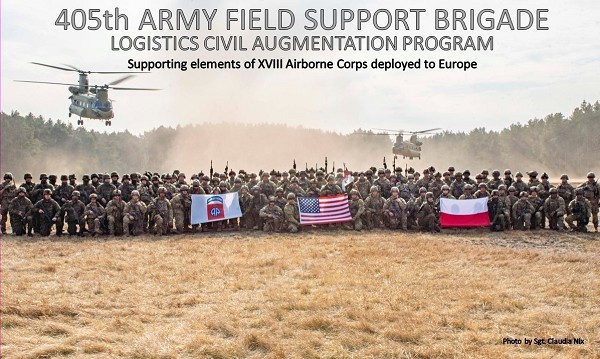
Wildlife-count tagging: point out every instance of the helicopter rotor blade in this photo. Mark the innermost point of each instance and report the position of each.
(133, 88)
(54, 67)
(49, 83)
(425, 131)
(75, 68)
(118, 81)
(383, 129)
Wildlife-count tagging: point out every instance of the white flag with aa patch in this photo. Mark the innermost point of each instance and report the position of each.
(215, 207)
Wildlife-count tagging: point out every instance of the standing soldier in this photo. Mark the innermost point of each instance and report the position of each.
(565, 190)
(291, 214)
(20, 213)
(591, 191)
(321, 179)
(105, 190)
(497, 212)
(62, 193)
(313, 190)
(52, 180)
(435, 186)
(447, 179)
(271, 216)
(253, 180)
(467, 177)
(95, 180)
(73, 180)
(181, 180)
(538, 204)
(74, 211)
(458, 186)
(28, 185)
(554, 209)
(115, 179)
(395, 210)
(496, 181)
(259, 200)
(533, 181)
(146, 196)
(280, 201)
(182, 204)
(126, 188)
(94, 213)
(483, 191)
(424, 182)
(330, 189)
(8, 191)
(519, 184)
(134, 212)
(426, 215)
(362, 185)
(467, 192)
(114, 213)
(38, 190)
(86, 189)
(48, 211)
(383, 183)
(544, 188)
(522, 212)
(508, 179)
(245, 200)
(580, 209)
(512, 197)
(266, 186)
(445, 194)
(170, 187)
(374, 208)
(162, 212)
(303, 181)
(295, 188)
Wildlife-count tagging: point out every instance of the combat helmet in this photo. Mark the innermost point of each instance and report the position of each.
(291, 195)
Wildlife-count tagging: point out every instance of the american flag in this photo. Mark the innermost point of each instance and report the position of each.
(328, 209)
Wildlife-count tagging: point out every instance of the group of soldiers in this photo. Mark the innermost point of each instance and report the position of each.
(137, 203)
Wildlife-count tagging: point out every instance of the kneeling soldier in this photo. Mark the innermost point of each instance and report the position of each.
(292, 214)
(20, 216)
(134, 215)
(74, 210)
(271, 216)
(94, 213)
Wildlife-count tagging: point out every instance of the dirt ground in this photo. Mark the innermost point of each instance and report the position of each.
(318, 294)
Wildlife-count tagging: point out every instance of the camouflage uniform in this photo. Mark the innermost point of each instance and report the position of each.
(133, 214)
(519, 185)
(435, 186)
(457, 187)
(20, 213)
(522, 212)
(292, 214)
(39, 188)
(74, 211)
(272, 216)
(374, 208)
(313, 190)
(86, 189)
(105, 191)
(330, 189)
(395, 211)
(497, 209)
(495, 182)
(162, 213)
(266, 186)
(565, 190)
(357, 209)
(8, 191)
(554, 209)
(538, 205)
(467, 193)
(383, 183)
(245, 200)
(580, 210)
(28, 185)
(257, 202)
(591, 191)
(427, 216)
(182, 204)
(50, 213)
(126, 188)
(363, 186)
(114, 213)
(94, 213)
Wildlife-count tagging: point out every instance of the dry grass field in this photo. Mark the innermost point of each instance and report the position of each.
(315, 295)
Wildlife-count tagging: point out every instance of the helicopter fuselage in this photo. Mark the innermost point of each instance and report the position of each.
(91, 106)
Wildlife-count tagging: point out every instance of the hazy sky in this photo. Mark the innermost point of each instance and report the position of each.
(529, 74)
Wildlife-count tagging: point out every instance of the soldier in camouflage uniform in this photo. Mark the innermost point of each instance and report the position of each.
(395, 210)
(591, 191)
(94, 213)
(181, 180)
(73, 212)
(105, 190)
(114, 213)
(330, 189)
(28, 185)
(447, 179)
(519, 184)
(253, 180)
(512, 197)
(565, 190)
(357, 209)
(467, 177)
(292, 214)
(126, 188)
(169, 187)
(303, 181)
(496, 181)
(383, 183)
(424, 182)
(62, 193)
(427, 215)
(267, 187)
(497, 209)
(533, 181)
(146, 195)
(114, 176)
(95, 180)
(458, 185)
(258, 201)
(538, 220)
(374, 209)
(580, 210)
(295, 188)
(313, 189)
(182, 204)
(272, 216)
(321, 181)
(522, 212)
(48, 211)
(245, 200)
(8, 191)
(133, 215)
(445, 194)
(545, 186)
(508, 179)
(467, 192)
(362, 185)
(86, 189)
(20, 213)
(37, 195)
(555, 209)
(52, 180)
(483, 191)
(162, 212)
(280, 201)
(435, 186)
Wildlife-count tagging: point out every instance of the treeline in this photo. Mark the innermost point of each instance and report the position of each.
(555, 144)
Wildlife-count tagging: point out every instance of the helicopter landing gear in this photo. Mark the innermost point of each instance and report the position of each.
(80, 122)
(69, 114)
(107, 123)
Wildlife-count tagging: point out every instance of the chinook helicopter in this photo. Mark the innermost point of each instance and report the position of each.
(410, 148)
(90, 101)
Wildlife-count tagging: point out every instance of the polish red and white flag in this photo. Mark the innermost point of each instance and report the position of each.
(464, 213)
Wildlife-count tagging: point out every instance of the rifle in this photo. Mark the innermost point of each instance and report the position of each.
(333, 167)
(226, 168)
(306, 166)
(325, 164)
(211, 169)
(294, 165)
(394, 164)
(384, 164)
